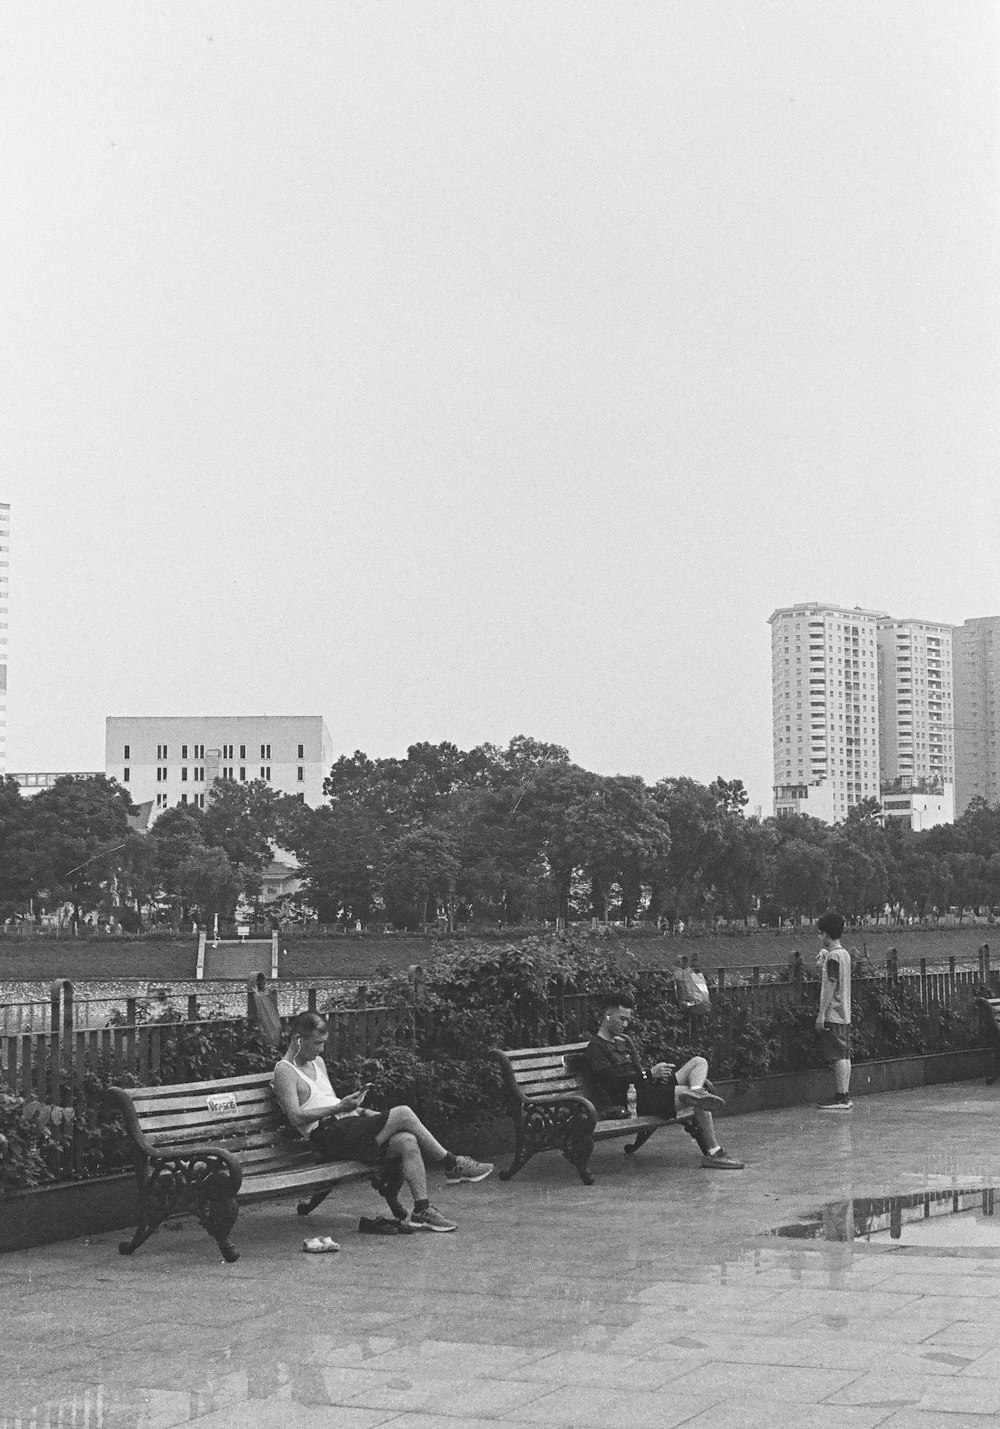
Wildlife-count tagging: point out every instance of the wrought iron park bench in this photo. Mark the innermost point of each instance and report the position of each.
(989, 1008)
(209, 1147)
(552, 1111)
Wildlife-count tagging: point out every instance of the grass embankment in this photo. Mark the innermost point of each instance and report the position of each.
(158, 958)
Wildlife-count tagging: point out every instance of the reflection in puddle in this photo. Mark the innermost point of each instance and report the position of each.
(927, 1218)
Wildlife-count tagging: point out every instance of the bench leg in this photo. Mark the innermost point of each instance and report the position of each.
(641, 1137)
(388, 1182)
(521, 1158)
(142, 1233)
(304, 1207)
(155, 1204)
(218, 1216)
(578, 1154)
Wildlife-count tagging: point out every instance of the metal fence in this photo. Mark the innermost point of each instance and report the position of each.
(63, 1064)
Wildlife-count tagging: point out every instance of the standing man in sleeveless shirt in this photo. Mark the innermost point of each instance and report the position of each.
(833, 1022)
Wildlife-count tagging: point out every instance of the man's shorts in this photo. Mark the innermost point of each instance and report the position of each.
(835, 1041)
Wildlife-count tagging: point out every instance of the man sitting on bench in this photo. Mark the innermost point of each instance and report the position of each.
(611, 1064)
(338, 1129)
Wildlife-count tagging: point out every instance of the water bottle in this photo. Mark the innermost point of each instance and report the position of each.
(631, 1099)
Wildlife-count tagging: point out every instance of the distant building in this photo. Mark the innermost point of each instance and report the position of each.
(172, 760)
(920, 803)
(916, 702)
(977, 715)
(824, 701)
(816, 800)
(33, 783)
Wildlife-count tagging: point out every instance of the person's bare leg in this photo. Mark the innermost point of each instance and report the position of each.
(411, 1163)
(693, 1073)
(403, 1118)
(690, 1090)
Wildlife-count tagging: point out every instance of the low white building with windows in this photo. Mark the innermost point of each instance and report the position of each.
(173, 759)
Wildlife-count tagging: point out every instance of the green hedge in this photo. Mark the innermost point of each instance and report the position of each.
(472, 999)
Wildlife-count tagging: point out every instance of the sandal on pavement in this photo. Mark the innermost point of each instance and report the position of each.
(320, 1245)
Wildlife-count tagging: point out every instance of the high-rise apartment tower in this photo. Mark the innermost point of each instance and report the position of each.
(916, 703)
(824, 696)
(977, 715)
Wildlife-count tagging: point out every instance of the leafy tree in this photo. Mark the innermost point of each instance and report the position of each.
(342, 851)
(17, 869)
(802, 878)
(78, 832)
(208, 880)
(420, 877)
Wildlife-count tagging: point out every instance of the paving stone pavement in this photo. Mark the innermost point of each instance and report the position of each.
(658, 1297)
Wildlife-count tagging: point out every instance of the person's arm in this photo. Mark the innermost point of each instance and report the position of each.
(286, 1090)
(633, 1052)
(605, 1072)
(827, 989)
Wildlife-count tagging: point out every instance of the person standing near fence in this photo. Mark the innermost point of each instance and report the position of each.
(833, 1021)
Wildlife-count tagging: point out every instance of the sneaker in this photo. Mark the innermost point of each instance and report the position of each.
(468, 1170)
(835, 1105)
(721, 1162)
(698, 1098)
(431, 1220)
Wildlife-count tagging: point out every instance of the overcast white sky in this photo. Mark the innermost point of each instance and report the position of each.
(464, 370)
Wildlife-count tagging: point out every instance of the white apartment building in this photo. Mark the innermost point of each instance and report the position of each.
(916, 706)
(824, 698)
(4, 618)
(169, 760)
(977, 716)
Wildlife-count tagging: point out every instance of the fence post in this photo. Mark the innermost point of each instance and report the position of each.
(192, 1007)
(311, 1004)
(923, 982)
(892, 965)
(130, 1011)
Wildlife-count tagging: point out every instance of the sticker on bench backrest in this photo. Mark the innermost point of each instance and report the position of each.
(224, 1104)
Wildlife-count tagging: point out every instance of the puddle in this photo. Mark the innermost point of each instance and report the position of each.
(948, 1219)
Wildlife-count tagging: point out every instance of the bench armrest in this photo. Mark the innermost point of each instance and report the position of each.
(212, 1159)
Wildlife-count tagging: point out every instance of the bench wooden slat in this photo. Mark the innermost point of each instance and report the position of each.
(249, 1097)
(535, 1054)
(203, 1089)
(308, 1178)
(564, 1086)
(179, 1123)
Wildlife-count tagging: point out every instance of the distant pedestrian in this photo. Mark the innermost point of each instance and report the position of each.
(833, 1021)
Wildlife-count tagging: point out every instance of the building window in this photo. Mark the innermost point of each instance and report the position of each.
(302, 773)
(184, 751)
(243, 772)
(227, 751)
(184, 798)
(184, 774)
(127, 775)
(128, 751)
(302, 751)
(243, 751)
(265, 751)
(265, 771)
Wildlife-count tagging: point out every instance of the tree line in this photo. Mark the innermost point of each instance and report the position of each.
(491, 835)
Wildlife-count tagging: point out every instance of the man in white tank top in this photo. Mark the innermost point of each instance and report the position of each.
(833, 1021)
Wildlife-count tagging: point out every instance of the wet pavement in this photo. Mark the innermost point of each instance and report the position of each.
(662, 1295)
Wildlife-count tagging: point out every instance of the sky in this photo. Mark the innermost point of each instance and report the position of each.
(458, 371)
